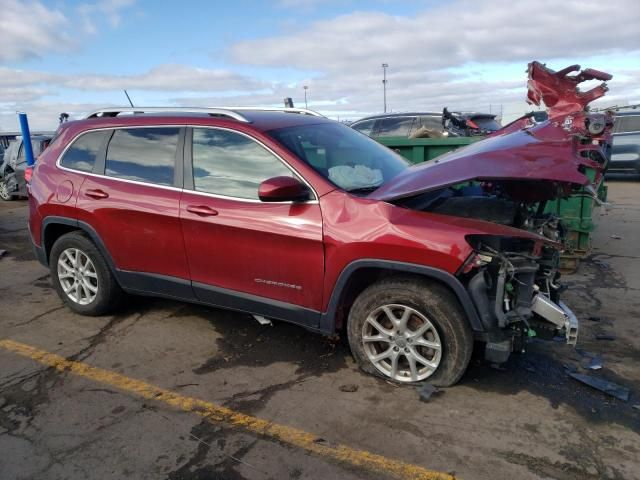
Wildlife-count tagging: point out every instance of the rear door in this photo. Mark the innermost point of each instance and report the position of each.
(259, 257)
(133, 205)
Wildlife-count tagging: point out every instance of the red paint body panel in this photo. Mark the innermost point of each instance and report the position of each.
(139, 225)
(255, 247)
(357, 228)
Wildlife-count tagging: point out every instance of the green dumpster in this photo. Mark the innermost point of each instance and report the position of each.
(418, 150)
(577, 214)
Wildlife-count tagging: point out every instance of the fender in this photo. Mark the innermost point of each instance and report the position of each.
(327, 320)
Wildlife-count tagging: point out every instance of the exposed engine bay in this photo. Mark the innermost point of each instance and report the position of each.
(513, 282)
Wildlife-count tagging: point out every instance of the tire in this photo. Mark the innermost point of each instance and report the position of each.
(4, 192)
(101, 293)
(435, 337)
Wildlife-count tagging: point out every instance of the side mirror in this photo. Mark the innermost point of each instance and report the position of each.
(283, 189)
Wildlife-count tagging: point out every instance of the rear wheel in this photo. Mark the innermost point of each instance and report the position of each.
(81, 276)
(410, 330)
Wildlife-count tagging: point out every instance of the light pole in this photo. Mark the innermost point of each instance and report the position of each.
(306, 87)
(384, 84)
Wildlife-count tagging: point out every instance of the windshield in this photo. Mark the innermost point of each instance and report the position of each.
(347, 158)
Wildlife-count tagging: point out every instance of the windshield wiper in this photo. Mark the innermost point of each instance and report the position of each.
(368, 189)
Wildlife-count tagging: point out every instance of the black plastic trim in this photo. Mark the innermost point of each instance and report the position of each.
(327, 321)
(99, 164)
(188, 160)
(248, 303)
(38, 250)
(155, 284)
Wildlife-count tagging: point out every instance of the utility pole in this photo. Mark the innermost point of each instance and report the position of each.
(306, 87)
(384, 84)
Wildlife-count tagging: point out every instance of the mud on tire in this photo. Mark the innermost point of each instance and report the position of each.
(422, 302)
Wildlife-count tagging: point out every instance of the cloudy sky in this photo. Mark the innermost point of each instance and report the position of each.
(74, 56)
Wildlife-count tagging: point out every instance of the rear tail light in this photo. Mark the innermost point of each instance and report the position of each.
(28, 173)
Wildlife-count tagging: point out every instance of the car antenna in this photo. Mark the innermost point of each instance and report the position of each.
(129, 98)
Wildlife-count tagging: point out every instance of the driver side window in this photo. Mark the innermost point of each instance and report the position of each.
(230, 164)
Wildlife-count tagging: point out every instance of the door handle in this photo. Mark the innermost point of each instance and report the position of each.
(202, 210)
(96, 193)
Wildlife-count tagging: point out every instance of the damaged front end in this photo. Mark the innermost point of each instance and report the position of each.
(515, 286)
(507, 179)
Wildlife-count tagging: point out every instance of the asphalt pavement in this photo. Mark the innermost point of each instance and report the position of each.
(167, 390)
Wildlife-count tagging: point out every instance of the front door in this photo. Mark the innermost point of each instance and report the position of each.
(253, 256)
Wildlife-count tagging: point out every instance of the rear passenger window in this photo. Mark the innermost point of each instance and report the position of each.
(432, 122)
(143, 154)
(230, 164)
(82, 153)
(395, 127)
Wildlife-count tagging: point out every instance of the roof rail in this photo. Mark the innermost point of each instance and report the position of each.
(304, 111)
(231, 112)
(115, 111)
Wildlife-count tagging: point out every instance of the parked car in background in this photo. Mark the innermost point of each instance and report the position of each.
(625, 153)
(427, 124)
(398, 124)
(14, 164)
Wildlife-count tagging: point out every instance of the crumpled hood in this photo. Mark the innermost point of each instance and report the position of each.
(540, 160)
(543, 152)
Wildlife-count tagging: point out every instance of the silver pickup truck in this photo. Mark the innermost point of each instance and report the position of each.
(13, 165)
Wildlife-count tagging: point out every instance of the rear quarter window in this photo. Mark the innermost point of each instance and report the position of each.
(82, 153)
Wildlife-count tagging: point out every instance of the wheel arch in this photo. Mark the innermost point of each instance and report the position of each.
(357, 275)
(53, 227)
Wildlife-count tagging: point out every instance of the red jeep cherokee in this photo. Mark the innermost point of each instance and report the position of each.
(294, 217)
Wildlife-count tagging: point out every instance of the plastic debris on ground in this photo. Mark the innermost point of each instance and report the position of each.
(594, 318)
(3, 253)
(595, 363)
(605, 386)
(615, 237)
(605, 336)
(263, 321)
(426, 391)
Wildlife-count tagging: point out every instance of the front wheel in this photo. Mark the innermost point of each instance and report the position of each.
(410, 330)
(81, 276)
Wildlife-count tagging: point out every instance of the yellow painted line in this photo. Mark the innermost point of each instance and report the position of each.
(216, 413)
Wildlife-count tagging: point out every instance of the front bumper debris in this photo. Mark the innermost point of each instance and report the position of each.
(558, 314)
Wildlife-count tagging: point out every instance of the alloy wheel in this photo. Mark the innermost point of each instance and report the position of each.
(401, 343)
(77, 276)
